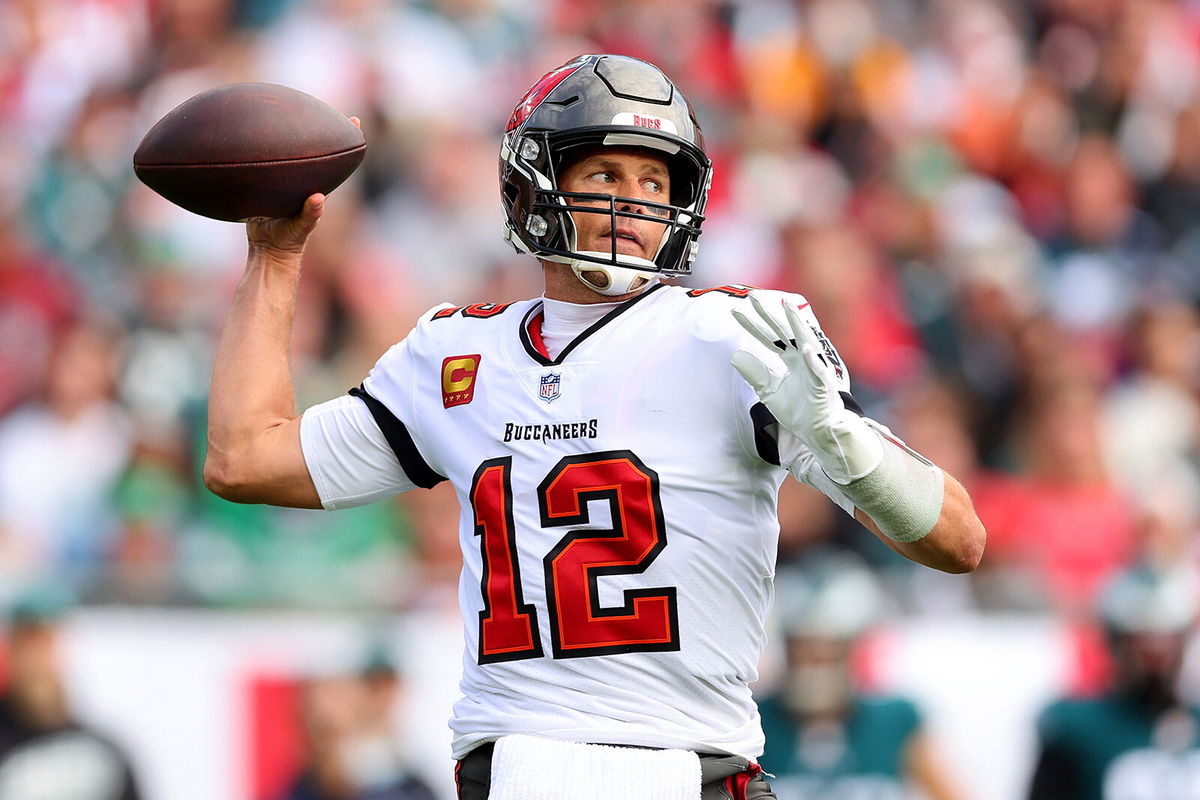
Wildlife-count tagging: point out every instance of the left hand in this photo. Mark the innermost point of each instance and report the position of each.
(804, 398)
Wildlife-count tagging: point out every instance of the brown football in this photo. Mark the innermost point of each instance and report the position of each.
(248, 150)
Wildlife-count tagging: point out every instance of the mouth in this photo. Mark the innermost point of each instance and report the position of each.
(624, 235)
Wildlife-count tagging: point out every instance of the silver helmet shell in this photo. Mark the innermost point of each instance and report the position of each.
(598, 100)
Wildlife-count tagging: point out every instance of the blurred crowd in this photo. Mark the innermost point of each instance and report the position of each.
(994, 208)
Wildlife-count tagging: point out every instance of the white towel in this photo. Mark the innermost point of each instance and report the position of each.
(532, 768)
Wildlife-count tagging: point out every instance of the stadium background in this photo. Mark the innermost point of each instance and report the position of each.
(992, 205)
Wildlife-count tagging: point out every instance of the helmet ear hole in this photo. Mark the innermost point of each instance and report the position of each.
(596, 278)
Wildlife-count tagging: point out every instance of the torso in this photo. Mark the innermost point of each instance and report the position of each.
(618, 527)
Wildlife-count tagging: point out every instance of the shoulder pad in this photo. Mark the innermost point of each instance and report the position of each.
(731, 290)
(772, 299)
(473, 311)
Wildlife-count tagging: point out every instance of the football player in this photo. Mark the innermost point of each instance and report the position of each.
(1141, 738)
(616, 446)
(827, 738)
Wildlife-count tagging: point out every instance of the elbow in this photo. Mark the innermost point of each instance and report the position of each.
(222, 478)
(966, 556)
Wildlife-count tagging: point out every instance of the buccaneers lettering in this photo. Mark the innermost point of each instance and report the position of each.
(546, 433)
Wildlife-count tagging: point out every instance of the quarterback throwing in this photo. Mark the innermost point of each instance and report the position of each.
(616, 446)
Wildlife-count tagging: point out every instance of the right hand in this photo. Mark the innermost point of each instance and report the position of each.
(285, 236)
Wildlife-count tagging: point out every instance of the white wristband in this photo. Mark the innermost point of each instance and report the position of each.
(903, 495)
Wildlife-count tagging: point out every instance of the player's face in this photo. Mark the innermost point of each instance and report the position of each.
(627, 172)
(1147, 659)
(818, 682)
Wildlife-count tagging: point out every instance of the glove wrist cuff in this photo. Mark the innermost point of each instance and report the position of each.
(855, 450)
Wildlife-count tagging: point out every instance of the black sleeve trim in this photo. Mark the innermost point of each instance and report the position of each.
(851, 404)
(762, 419)
(764, 442)
(401, 441)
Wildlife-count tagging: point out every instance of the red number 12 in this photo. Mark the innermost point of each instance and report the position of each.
(648, 620)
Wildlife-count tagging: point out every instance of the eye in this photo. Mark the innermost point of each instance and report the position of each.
(652, 185)
(602, 177)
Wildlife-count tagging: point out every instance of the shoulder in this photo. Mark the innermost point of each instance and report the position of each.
(708, 310)
(471, 311)
(1071, 716)
(448, 326)
(708, 315)
(720, 300)
(446, 319)
(891, 710)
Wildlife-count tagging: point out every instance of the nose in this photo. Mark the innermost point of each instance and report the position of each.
(634, 198)
(631, 192)
(631, 205)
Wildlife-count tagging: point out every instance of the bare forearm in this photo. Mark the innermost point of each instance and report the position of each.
(956, 542)
(252, 383)
(254, 453)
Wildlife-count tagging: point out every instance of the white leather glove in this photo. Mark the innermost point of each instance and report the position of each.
(804, 398)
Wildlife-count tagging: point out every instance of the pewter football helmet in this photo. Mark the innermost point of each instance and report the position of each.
(602, 100)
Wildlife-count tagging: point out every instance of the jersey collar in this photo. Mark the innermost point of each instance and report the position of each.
(531, 329)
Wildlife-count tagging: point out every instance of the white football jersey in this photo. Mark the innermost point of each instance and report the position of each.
(618, 521)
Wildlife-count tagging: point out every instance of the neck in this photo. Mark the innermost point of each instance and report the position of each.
(561, 284)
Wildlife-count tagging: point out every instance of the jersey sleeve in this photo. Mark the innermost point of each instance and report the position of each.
(361, 447)
(348, 457)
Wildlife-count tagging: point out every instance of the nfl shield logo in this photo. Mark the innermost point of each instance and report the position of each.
(550, 387)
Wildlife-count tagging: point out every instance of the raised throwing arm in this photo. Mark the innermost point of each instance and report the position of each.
(254, 453)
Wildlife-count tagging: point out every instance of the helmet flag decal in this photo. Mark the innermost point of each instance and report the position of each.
(539, 91)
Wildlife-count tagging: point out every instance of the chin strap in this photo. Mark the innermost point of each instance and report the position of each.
(613, 281)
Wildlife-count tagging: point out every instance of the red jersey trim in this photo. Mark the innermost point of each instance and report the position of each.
(535, 333)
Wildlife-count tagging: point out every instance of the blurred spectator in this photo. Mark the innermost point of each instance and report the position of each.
(38, 300)
(995, 192)
(1151, 418)
(1061, 529)
(807, 521)
(74, 199)
(1174, 199)
(837, 270)
(1106, 255)
(354, 752)
(1139, 738)
(990, 268)
(60, 456)
(44, 751)
(936, 415)
(826, 736)
(152, 499)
